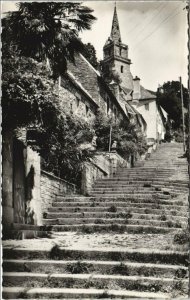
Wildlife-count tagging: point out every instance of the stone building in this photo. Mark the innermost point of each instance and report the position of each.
(128, 90)
(83, 91)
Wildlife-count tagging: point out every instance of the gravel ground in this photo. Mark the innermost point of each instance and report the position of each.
(97, 240)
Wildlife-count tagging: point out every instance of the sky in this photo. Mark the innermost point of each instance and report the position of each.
(155, 32)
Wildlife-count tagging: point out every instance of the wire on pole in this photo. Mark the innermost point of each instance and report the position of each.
(182, 108)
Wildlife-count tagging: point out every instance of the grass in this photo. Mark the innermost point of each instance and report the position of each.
(99, 221)
(181, 238)
(112, 209)
(120, 269)
(124, 215)
(80, 268)
(104, 295)
(163, 217)
(55, 252)
(181, 273)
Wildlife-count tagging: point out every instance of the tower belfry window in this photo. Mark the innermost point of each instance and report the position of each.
(121, 69)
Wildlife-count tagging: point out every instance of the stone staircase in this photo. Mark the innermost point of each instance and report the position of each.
(121, 239)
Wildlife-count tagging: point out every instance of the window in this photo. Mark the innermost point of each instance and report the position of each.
(147, 106)
(120, 51)
(108, 105)
(121, 69)
(77, 102)
(87, 110)
(115, 113)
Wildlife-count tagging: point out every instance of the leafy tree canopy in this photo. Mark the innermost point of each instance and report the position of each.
(30, 97)
(47, 31)
(90, 53)
(169, 97)
(129, 139)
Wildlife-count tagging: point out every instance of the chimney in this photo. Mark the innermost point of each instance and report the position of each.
(136, 89)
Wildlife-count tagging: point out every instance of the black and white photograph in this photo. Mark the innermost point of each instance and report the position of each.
(95, 159)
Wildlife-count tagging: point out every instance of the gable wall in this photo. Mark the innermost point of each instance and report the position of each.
(150, 117)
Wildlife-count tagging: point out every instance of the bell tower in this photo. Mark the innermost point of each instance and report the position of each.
(115, 56)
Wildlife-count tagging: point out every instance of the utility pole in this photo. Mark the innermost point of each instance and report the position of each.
(110, 138)
(182, 108)
(188, 143)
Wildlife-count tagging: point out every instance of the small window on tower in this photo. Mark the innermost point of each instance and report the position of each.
(87, 110)
(121, 69)
(147, 106)
(120, 51)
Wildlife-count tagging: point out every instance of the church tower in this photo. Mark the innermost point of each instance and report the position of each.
(115, 59)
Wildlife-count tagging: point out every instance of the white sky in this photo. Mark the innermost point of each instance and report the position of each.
(155, 31)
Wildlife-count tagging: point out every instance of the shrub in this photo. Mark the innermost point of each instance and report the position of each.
(80, 268)
(117, 228)
(130, 140)
(87, 230)
(121, 269)
(163, 217)
(99, 221)
(181, 238)
(55, 252)
(112, 209)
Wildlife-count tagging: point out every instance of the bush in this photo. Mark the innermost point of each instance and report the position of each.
(129, 138)
(80, 268)
(181, 238)
(112, 209)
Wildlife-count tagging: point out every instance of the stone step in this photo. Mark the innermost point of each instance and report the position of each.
(72, 293)
(136, 195)
(177, 258)
(95, 267)
(119, 209)
(56, 215)
(140, 172)
(129, 221)
(142, 179)
(145, 284)
(115, 227)
(121, 202)
(126, 197)
(135, 190)
(130, 205)
(183, 188)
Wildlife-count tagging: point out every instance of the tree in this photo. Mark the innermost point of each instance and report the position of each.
(48, 31)
(129, 139)
(39, 32)
(90, 53)
(28, 92)
(29, 97)
(170, 99)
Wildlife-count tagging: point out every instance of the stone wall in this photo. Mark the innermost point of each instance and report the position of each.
(33, 200)
(51, 186)
(73, 100)
(7, 179)
(103, 165)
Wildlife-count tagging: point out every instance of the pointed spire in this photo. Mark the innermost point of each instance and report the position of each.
(115, 32)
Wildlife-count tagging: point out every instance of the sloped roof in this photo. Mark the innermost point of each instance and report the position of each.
(146, 94)
(86, 75)
(88, 79)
